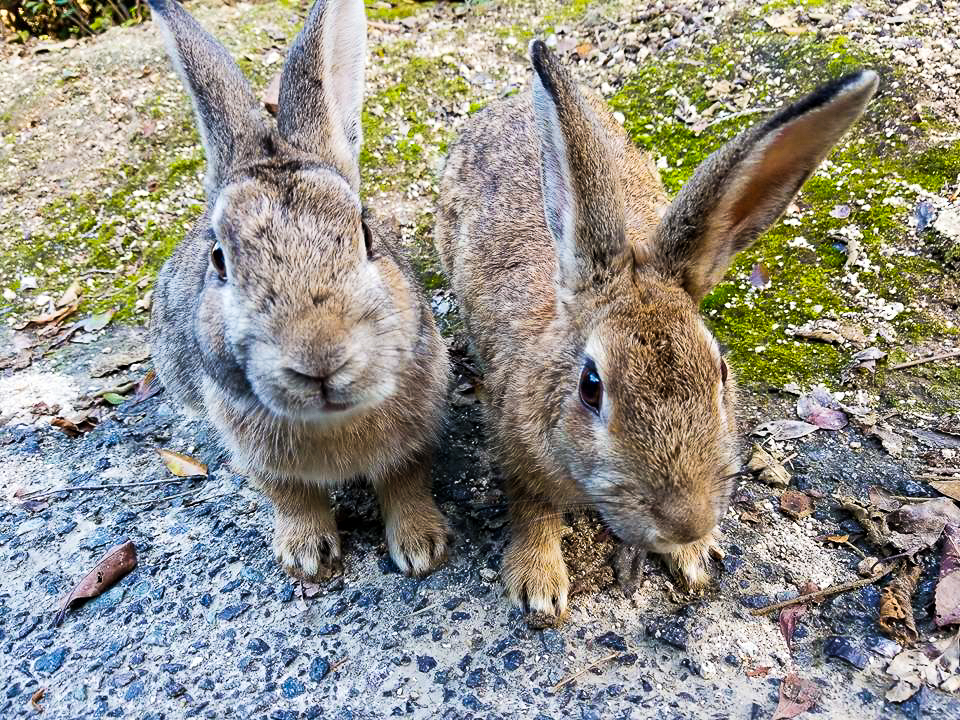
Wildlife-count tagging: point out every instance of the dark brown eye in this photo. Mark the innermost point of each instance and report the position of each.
(591, 387)
(367, 239)
(218, 262)
(723, 371)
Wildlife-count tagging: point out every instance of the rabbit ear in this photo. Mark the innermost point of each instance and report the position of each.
(227, 111)
(741, 189)
(321, 89)
(582, 200)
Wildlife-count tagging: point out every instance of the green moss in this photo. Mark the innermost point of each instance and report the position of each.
(806, 260)
(395, 9)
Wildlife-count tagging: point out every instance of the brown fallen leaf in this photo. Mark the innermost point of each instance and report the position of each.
(896, 613)
(583, 49)
(796, 504)
(873, 521)
(947, 594)
(936, 663)
(760, 276)
(118, 561)
(19, 496)
(77, 424)
(918, 526)
(784, 429)
(70, 295)
(148, 387)
(104, 365)
(53, 316)
(788, 622)
(891, 441)
(271, 95)
(769, 470)
(796, 696)
(36, 698)
(181, 465)
(758, 671)
(950, 488)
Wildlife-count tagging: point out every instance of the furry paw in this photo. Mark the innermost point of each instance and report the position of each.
(536, 580)
(627, 566)
(690, 562)
(310, 556)
(417, 540)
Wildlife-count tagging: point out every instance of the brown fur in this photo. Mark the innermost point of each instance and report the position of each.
(317, 360)
(540, 294)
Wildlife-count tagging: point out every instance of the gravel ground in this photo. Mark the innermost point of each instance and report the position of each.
(208, 626)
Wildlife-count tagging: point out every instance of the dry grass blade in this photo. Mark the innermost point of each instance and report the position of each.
(570, 678)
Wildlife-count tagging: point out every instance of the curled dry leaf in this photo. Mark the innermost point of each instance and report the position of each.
(950, 488)
(820, 408)
(890, 441)
(896, 613)
(865, 360)
(77, 424)
(936, 663)
(70, 295)
(872, 520)
(758, 671)
(113, 566)
(918, 526)
(788, 622)
(796, 504)
(54, 316)
(769, 470)
(104, 365)
(947, 595)
(796, 696)
(148, 387)
(181, 465)
(784, 429)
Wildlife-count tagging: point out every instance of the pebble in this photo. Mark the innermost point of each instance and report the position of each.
(512, 660)
(232, 612)
(292, 688)
(319, 667)
(52, 661)
(613, 641)
(840, 647)
(425, 663)
(475, 678)
(257, 646)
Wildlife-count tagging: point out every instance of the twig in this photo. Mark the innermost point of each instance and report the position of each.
(734, 116)
(570, 678)
(339, 663)
(920, 361)
(826, 592)
(56, 491)
(191, 503)
(422, 610)
(167, 497)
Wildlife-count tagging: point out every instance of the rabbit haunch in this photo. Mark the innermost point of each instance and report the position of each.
(294, 325)
(580, 284)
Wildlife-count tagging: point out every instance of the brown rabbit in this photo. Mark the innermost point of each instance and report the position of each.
(293, 325)
(581, 287)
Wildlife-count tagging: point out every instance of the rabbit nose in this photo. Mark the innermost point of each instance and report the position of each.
(684, 524)
(318, 376)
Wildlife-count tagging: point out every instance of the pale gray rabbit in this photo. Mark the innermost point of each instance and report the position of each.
(288, 319)
(580, 285)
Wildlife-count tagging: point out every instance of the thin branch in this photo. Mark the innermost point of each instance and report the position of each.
(168, 497)
(45, 493)
(570, 678)
(920, 361)
(826, 592)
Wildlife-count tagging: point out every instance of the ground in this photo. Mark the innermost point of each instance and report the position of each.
(100, 176)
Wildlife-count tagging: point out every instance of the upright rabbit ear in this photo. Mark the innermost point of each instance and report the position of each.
(582, 198)
(321, 89)
(741, 189)
(227, 111)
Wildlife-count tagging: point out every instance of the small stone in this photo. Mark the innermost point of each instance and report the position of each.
(319, 668)
(475, 678)
(512, 660)
(52, 661)
(839, 647)
(292, 688)
(425, 663)
(232, 612)
(257, 646)
(613, 641)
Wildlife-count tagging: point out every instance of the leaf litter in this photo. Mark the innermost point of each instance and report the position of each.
(182, 465)
(796, 696)
(112, 567)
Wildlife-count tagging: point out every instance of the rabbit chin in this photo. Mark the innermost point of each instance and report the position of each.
(318, 410)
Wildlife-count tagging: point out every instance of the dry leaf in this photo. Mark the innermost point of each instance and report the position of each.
(788, 622)
(758, 671)
(36, 698)
(796, 504)
(820, 408)
(271, 95)
(148, 387)
(873, 521)
(796, 696)
(54, 316)
(70, 295)
(113, 566)
(105, 365)
(181, 465)
(917, 526)
(768, 468)
(785, 429)
(77, 424)
(896, 613)
(936, 663)
(947, 596)
(98, 321)
(891, 442)
(583, 49)
(950, 488)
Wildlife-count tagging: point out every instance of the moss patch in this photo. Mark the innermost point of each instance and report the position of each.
(871, 173)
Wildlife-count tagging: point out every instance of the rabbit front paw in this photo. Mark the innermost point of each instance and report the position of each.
(690, 562)
(307, 553)
(417, 540)
(537, 581)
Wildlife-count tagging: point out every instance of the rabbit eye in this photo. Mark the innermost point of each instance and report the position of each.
(591, 387)
(218, 262)
(723, 371)
(367, 239)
